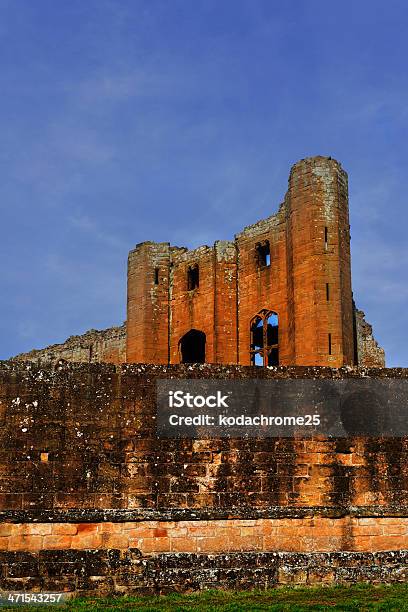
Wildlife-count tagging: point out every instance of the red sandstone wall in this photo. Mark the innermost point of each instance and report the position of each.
(148, 303)
(226, 303)
(233, 287)
(192, 309)
(263, 287)
(92, 502)
(84, 437)
(301, 535)
(317, 199)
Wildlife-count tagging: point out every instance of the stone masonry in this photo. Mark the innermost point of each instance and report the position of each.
(91, 501)
(295, 264)
(108, 345)
(290, 272)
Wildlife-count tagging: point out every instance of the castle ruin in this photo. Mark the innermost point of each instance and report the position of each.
(278, 294)
(94, 501)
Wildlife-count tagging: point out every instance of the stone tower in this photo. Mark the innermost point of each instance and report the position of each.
(280, 293)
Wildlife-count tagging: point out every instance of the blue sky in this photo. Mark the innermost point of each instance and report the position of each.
(124, 121)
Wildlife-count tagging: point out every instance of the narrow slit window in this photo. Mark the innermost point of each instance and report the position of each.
(156, 276)
(193, 278)
(330, 344)
(327, 291)
(263, 253)
(326, 238)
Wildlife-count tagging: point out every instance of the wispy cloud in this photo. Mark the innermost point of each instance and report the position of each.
(89, 226)
(129, 121)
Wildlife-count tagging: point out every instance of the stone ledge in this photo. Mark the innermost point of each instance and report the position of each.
(73, 515)
(206, 370)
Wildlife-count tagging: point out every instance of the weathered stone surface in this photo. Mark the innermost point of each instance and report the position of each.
(117, 572)
(369, 353)
(83, 437)
(91, 501)
(295, 264)
(107, 345)
(307, 282)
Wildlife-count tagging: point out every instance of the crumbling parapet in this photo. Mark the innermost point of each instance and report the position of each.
(369, 353)
(107, 345)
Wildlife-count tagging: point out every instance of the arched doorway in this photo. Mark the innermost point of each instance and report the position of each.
(192, 347)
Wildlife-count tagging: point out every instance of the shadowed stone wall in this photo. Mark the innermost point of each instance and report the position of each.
(92, 501)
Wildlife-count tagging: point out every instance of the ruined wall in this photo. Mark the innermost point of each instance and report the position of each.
(369, 353)
(263, 286)
(307, 282)
(95, 346)
(211, 307)
(91, 500)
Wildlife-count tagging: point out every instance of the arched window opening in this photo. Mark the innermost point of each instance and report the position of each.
(264, 348)
(60, 364)
(263, 253)
(192, 347)
(193, 278)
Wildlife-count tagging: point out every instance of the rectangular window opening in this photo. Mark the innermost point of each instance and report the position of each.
(263, 253)
(193, 279)
(330, 344)
(327, 291)
(326, 238)
(156, 276)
